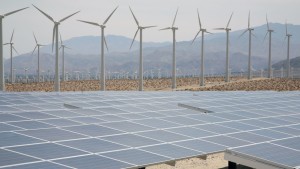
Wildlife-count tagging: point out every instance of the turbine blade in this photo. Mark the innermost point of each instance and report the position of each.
(49, 17)
(34, 49)
(68, 16)
(208, 32)
(92, 23)
(267, 22)
(106, 44)
(68, 47)
(61, 42)
(286, 30)
(265, 37)
(249, 20)
(6, 43)
(12, 36)
(134, 37)
(110, 15)
(229, 20)
(243, 33)
(219, 28)
(53, 36)
(136, 21)
(149, 27)
(196, 36)
(165, 28)
(15, 50)
(199, 19)
(175, 18)
(253, 35)
(35, 38)
(9, 13)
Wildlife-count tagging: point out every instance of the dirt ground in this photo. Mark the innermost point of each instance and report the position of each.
(212, 84)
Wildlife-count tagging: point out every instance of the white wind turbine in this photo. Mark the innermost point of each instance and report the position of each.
(2, 81)
(103, 41)
(55, 37)
(38, 51)
(249, 29)
(63, 47)
(288, 36)
(202, 30)
(174, 50)
(227, 29)
(269, 32)
(140, 28)
(12, 48)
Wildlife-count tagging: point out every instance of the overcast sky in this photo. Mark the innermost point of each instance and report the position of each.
(213, 13)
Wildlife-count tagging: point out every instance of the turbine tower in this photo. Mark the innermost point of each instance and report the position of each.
(12, 48)
(2, 81)
(174, 51)
(249, 29)
(103, 41)
(227, 29)
(288, 36)
(38, 51)
(202, 30)
(140, 28)
(269, 32)
(63, 46)
(55, 38)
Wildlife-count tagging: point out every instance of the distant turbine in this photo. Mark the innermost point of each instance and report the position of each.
(174, 51)
(249, 56)
(2, 81)
(55, 37)
(202, 82)
(140, 28)
(38, 50)
(288, 51)
(11, 55)
(227, 29)
(269, 31)
(103, 41)
(63, 46)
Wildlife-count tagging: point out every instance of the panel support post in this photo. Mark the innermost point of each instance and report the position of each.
(232, 165)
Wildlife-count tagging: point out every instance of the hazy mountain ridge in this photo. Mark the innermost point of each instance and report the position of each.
(84, 55)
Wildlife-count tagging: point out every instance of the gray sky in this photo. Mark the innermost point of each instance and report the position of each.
(213, 13)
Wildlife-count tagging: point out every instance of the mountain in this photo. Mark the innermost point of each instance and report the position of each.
(84, 55)
(295, 63)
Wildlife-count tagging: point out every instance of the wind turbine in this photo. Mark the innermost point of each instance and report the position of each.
(227, 29)
(38, 51)
(55, 38)
(12, 48)
(202, 30)
(174, 50)
(140, 28)
(63, 46)
(103, 41)
(269, 32)
(249, 29)
(288, 36)
(2, 81)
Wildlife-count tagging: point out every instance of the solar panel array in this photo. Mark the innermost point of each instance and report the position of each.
(136, 129)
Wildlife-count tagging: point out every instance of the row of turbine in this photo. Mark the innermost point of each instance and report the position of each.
(140, 29)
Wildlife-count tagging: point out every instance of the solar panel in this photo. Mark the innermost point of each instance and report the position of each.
(138, 129)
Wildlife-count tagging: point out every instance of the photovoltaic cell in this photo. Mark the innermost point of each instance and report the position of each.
(131, 140)
(11, 158)
(47, 151)
(172, 151)
(93, 145)
(137, 157)
(89, 162)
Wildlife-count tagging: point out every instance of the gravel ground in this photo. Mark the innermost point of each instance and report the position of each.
(212, 84)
